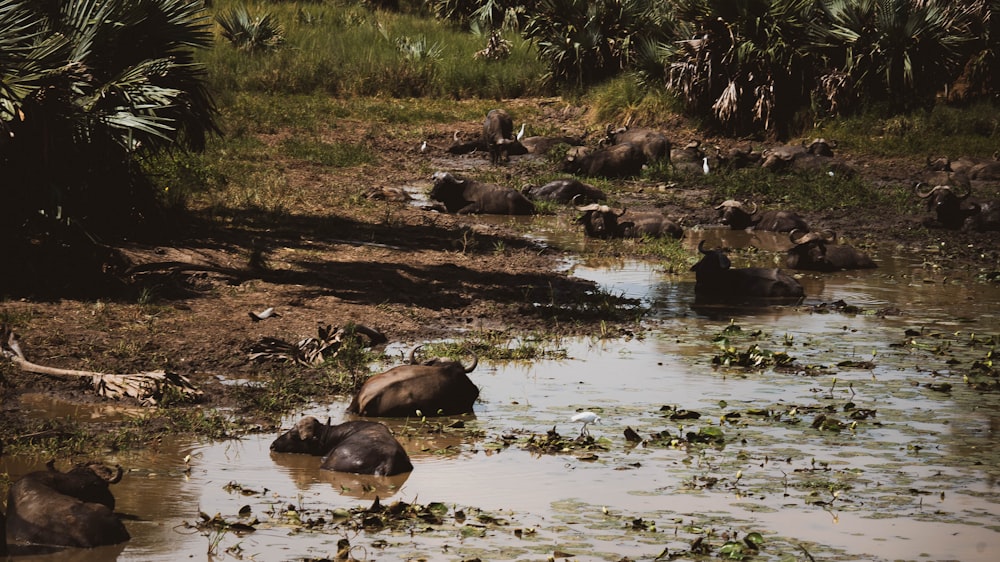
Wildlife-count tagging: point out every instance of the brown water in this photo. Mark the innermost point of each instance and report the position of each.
(919, 481)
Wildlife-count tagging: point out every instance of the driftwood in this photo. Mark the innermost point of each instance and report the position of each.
(311, 352)
(148, 387)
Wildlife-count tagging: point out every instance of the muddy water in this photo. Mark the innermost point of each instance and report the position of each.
(917, 480)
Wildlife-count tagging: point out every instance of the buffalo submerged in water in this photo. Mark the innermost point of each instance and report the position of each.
(717, 280)
(435, 387)
(358, 447)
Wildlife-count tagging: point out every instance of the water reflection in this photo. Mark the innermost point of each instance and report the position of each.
(918, 480)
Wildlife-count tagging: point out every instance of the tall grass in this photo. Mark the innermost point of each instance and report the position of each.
(350, 51)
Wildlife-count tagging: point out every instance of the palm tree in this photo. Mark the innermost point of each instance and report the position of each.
(749, 65)
(87, 89)
(584, 41)
(901, 53)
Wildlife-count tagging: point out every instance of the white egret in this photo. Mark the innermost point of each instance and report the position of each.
(704, 165)
(586, 418)
(423, 147)
(520, 134)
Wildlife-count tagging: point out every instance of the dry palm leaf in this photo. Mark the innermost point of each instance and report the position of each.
(312, 351)
(148, 388)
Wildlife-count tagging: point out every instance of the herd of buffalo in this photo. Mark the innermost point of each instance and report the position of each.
(76, 508)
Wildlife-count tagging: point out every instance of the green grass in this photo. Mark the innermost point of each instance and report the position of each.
(944, 131)
(350, 51)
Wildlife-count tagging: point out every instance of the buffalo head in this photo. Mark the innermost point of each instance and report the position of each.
(600, 221)
(946, 203)
(735, 214)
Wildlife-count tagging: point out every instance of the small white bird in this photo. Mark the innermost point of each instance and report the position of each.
(704, 165)
(586, 418)
(423, 147)
(520, 134)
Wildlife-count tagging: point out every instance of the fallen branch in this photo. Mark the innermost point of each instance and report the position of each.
(148, 387)
(312, 351)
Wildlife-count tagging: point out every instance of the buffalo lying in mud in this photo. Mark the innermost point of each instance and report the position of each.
(947, 205)
(653, 145)
(358, 447)
(815, 157)
(601, 221)
(469, 196)
(972, 168)
(819, 251)
(543, 145)
(498, 134)
(74, 508)
(617, 161)
(564, 191)
(715, 280)
(435, 387)
(737, 217)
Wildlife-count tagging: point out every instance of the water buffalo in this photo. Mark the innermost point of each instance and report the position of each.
(564, 191)
(498, 133)
(358, 447)
(737, 217)
(600, 221)
(654, 145)
(947, 205)
(469, 196)
(814, 157)
(435, 387)
(544, 145)
(818, 251)
(74, 508)
(716, 280)
(617, 161)
(986, 217)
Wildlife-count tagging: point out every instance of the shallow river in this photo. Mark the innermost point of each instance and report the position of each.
(915, 477)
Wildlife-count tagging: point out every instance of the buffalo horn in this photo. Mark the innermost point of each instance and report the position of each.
(916, 189)
(728, 203)
(798, 236)
(968, 192)
(829, 235)
(618, 214)
(412, 357)
(591, 207)
(701, 247)
(475, 362)
(754, 211)
(118, 475)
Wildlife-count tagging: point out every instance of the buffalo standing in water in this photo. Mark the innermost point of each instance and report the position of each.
(716, 280)
(358, 447)
(435, 387)
(74, 508)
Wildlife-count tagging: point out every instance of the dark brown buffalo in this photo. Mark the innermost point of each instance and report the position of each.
(601, 221)
(469, 196)
(947, 205)
(73, 508)
(618, 161)
(654, 145)
(358, 447)
(565, 191)
(819, 251)
(498, 133)
(817, 156)
(435, 387)
(986, 217)
(735, 215)
(715, 280)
